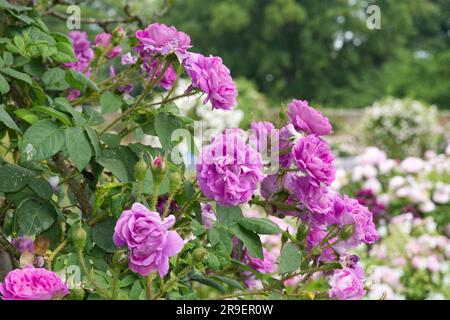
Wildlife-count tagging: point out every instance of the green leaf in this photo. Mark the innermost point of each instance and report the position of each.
(110, 102)
(8, 58)
(78, 147)
(136, 290)
(27, 116)
(78, 80)
(260, 225)
(102, 234)
(207, 281)
(34, 217)
(290, 258)
(4, 85)
(197, 228)
(17, 75)
(231, 282)
(65, 53)
(165, 125)
(54, 79)
(116, 167)
(250, 239)
(53, 113)
(42, 140)
(63, 104)
(228, 215)
(13, 178)
(41, 187)
(93, 137)
(217, 235)
(7, 120)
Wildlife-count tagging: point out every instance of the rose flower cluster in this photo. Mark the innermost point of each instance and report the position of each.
(230, 171)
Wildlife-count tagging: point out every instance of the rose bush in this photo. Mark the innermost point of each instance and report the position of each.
(87, 207)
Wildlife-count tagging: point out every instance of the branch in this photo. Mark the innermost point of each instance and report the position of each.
(10, 249)
(74, 185)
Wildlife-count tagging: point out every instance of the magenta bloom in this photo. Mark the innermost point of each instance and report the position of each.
(211, 76)
(127, 58)
(23, 244)
(266, 265)
(347, 283)
(208, 215)
(158, 38)
(317, 199)
(104, 40)
(229, 170)
(82, 50)
(307, 119)
(148, 238)
(167, 79)
(32, 284)
(348, 211)
(270, 185)
(263, 132)
(313, 157)
(314, 238)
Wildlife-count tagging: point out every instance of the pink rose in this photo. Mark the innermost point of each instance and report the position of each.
(347, 284)
(306, 119)
(148, 238)
(32, 284)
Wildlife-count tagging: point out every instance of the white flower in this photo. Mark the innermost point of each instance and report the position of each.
(412, 165)
(373, 185)
(396, 182)
(427, 206)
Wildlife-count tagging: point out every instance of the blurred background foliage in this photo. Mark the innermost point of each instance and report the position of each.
(316, 50)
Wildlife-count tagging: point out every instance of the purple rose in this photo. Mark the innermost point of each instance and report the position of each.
(317, 199)
(270, 185)
(208, 215)
(148, 238)
(284, 138)
(168, 78)
(307, 119)
(314, 238)
(262, 135)
(313, 156)
(104, 40)
(32, 284)
(82, 50)
(211, 76)
(23, 244)
(267, 264)
(348, 211)
(347, 284)
(229, 170)
(127, 58)
(158, 38)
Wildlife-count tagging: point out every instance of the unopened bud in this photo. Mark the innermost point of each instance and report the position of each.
(120, 258)
(302, 231)
(175, 182)
(159, 169)
(199, 254)
(140, 170)
(346, 232)
(76, 294)
(79, 237)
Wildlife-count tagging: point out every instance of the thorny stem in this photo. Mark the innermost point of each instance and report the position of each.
(74, 185)
(9, 248)
(88, 273)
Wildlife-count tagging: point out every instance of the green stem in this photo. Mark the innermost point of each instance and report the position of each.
(154, 198)
(148, 286)
(8, 247)
(115, 281)
(167, 206)
(89, 275)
